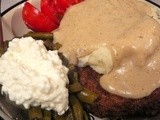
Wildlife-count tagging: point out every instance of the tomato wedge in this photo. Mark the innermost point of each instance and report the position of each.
(76, 1)
(36, 20)
(56, 7)
(63, 4)
(49, 8)
(49, 17)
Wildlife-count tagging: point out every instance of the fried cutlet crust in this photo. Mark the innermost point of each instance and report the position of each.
(110, 105)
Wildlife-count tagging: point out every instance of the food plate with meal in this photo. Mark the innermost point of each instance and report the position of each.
(75, 59)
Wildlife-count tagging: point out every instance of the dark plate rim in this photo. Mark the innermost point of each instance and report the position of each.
(13, 6)
(157, 5)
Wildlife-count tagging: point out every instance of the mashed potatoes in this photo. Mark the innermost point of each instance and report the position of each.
(127, 29)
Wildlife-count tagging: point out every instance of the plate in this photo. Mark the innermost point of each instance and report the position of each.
(12, 23)
(13, 26)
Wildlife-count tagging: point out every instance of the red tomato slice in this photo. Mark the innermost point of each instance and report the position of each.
(55, 9)
(63, 4)
(49, 8)
(76, 1)
(36, 20)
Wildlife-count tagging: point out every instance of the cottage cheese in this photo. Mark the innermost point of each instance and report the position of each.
(33, 76)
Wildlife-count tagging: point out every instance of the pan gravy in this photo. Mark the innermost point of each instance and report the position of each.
(128, 30)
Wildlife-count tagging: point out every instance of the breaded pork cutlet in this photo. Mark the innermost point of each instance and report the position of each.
(111, 105)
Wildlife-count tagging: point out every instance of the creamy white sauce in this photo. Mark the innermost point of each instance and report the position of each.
(128, 29)
(33, 76)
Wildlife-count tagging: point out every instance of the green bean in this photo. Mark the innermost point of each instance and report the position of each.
(46, 37)
(64, 59)
(86, 115)
(35, 113)
(59, 117)
(39, 35)
(87, 96)
(48, 44)
(6, 43)
(47, 115)
(69, 115)
(57, 46)
(71, 68)
(75, 87)
(2, 47)
(73, 77)
(76, 107)
(71, 74)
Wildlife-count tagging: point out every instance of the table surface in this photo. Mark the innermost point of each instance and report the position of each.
(7, 3)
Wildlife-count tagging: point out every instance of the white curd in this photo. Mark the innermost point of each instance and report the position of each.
(33, 76)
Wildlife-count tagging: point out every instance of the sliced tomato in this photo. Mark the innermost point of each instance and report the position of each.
(55, 9)
(49, 8)
(75, 1)
(36, 20)
(50, 15)
(63, 4)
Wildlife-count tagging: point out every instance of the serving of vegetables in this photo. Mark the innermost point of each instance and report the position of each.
(48, 17)
(78, 95)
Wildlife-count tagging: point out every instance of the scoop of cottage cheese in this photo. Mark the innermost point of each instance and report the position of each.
(33, 76)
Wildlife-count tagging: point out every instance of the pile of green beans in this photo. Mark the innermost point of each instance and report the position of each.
(36, 113)
(78, 95)
(83, 94)
(39, 35)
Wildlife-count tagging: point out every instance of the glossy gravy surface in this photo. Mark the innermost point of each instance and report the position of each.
(127, 28)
